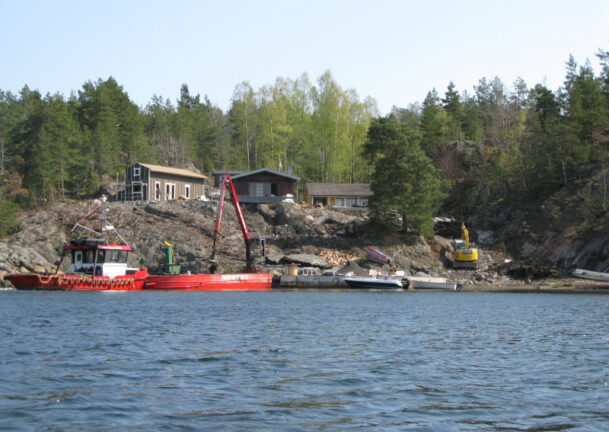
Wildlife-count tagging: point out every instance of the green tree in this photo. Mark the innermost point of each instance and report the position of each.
(403, 178)
(161, 130)
(588, 109)
(113, 127)
(433, 123)
(8, 216)
(243, 120)
(326, 125)
(454, 110)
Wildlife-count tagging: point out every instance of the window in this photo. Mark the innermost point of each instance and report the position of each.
(187, 191)
(170, 191)
(257, 189)
(122, 256)
(338, 202)
(136, 172)
(112, 256)
(101, 256)
(157, 191)
(89, 257)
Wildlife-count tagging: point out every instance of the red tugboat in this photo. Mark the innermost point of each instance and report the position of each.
(251, 280)
(96, 264)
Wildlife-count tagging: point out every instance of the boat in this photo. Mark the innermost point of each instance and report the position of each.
(375, 255)
(97, 264)
(374, 282)
(210, 282)
(250, 280)
(431, 283)
(592, 275)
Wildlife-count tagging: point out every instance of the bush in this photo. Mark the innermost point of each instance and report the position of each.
(8, 217)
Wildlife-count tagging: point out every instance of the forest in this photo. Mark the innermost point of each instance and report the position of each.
(494, 142)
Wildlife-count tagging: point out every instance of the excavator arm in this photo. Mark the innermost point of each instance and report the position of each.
(465, 235)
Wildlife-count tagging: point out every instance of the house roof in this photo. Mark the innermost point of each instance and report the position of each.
(261, 170)
(339, 189)
(229, 172)
(173, 171)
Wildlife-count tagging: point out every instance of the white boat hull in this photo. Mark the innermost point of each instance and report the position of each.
(592, 275)
(432, 283)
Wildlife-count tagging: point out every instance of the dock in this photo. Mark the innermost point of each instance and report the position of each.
(301, 281)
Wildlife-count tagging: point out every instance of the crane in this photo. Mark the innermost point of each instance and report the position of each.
(249, 258)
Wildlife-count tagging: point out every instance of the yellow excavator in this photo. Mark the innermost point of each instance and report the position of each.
(465, 256)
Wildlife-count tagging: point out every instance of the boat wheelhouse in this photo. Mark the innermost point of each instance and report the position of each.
(97, 265)
(97, 257)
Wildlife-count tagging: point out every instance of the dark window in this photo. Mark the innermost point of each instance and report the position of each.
(122, 256)
(89, 256)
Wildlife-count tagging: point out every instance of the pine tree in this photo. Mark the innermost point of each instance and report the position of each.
(403, 179)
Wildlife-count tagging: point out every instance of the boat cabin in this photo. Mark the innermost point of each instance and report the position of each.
(96, 257)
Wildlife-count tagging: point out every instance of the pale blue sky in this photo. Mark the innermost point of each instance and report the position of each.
(395, 51)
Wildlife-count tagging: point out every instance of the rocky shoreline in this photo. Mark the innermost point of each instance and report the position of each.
(316, 240)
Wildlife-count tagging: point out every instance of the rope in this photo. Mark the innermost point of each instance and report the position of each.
(45, 282)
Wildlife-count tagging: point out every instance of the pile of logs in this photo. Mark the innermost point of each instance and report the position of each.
(336, 258)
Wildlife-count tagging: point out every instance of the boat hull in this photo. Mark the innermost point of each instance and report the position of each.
(375, 255)
(592, 275)
(373, 283)
(73, 282)
(432, 283)
(211, 282)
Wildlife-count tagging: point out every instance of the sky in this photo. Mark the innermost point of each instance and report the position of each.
(393, 51)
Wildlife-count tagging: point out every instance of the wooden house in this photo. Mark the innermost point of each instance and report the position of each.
(156, 183)
(262, 186)
(339, 195)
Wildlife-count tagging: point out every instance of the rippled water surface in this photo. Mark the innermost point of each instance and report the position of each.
(303, 361)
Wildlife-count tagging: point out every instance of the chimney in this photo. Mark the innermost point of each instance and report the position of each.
(289, 169)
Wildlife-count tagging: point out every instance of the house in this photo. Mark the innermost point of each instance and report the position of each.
(262, 186)
(340, 195)
(156, 183)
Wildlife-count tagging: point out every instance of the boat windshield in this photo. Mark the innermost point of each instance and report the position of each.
(114, 256)
(105, 256)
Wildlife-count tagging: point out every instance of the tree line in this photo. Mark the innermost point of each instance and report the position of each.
(53, 148)
(494, 145)
(458, 149)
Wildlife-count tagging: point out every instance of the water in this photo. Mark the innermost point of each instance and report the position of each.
(303, 361)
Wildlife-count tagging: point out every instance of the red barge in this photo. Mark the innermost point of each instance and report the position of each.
(251, 280)
(210, 282)
(97, 265)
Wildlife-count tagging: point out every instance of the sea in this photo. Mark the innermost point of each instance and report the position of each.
(303, 361)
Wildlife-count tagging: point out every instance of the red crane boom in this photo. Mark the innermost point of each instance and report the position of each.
(249, 263)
